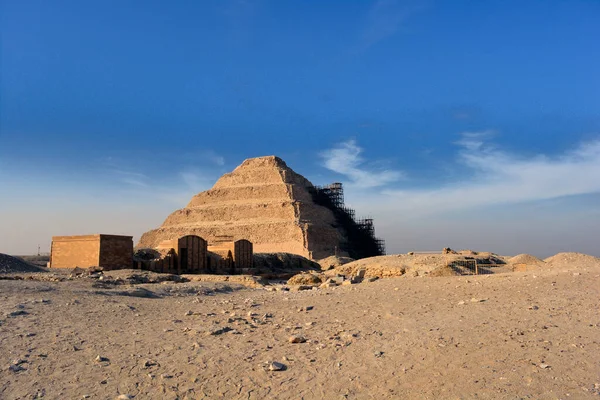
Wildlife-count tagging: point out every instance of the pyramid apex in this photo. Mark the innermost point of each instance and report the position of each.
(264, 161)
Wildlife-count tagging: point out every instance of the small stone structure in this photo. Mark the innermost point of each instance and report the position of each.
(99, 250)
(191, 254)
(235, 256)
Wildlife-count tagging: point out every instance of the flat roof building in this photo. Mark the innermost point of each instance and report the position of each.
(99, 250)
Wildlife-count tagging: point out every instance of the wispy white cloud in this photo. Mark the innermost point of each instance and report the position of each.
(506, 202)
(499, 177)
(345, 159)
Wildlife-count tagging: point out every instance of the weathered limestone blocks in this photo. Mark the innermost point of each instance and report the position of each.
(262, 201)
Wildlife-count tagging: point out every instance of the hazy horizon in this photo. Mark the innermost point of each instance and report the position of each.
(469, 125)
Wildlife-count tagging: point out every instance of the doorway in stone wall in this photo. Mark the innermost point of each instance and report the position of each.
(183, 259)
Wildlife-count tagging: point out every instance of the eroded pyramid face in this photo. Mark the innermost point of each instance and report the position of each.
(263, 201)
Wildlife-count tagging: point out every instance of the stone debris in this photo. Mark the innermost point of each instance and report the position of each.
(99, 358)
(10, 264)
(124, 397)
(219, 331)
(17, 313)
(304, 279)
(302, 287)
(275, 366)
(297, 339)
(15, 368)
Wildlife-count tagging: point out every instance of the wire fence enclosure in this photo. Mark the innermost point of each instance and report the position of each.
(468, 266)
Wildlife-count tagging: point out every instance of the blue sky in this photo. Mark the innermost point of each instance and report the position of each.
(460, 123)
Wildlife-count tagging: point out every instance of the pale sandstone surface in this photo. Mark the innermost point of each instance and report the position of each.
(504, 336)
(263, 201)
(416, 264)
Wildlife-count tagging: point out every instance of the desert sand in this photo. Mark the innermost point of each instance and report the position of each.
(508, 335)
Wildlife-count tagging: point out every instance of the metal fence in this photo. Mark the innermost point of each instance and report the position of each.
(468, 267)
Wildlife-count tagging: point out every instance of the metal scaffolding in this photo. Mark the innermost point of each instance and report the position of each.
(361, 232)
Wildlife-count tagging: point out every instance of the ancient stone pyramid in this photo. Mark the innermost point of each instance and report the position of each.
(263, 201)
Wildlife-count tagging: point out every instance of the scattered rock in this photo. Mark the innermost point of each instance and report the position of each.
(378, 354)
(275, 366)
(15, 368)
(302, 287)
(543, 366)
(124, 397)
(99, 358)
(533, 307)
(17, 313)
(220, 331)
(297, 339)
(305, 279)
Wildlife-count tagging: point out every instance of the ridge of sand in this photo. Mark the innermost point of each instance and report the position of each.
(525, 259)
(573, 259)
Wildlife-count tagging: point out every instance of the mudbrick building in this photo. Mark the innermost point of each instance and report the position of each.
(106, 251)
(266, 203)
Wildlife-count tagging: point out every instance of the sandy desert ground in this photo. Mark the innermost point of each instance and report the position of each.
(533, 334)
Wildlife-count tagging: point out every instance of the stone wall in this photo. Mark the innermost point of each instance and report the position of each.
(237, 255)
(116, 252)
(75, 251)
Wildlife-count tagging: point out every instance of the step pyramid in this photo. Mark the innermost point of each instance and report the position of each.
(263, 201)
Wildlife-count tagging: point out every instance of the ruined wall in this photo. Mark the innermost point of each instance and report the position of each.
(116, 252)
(75, 251)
